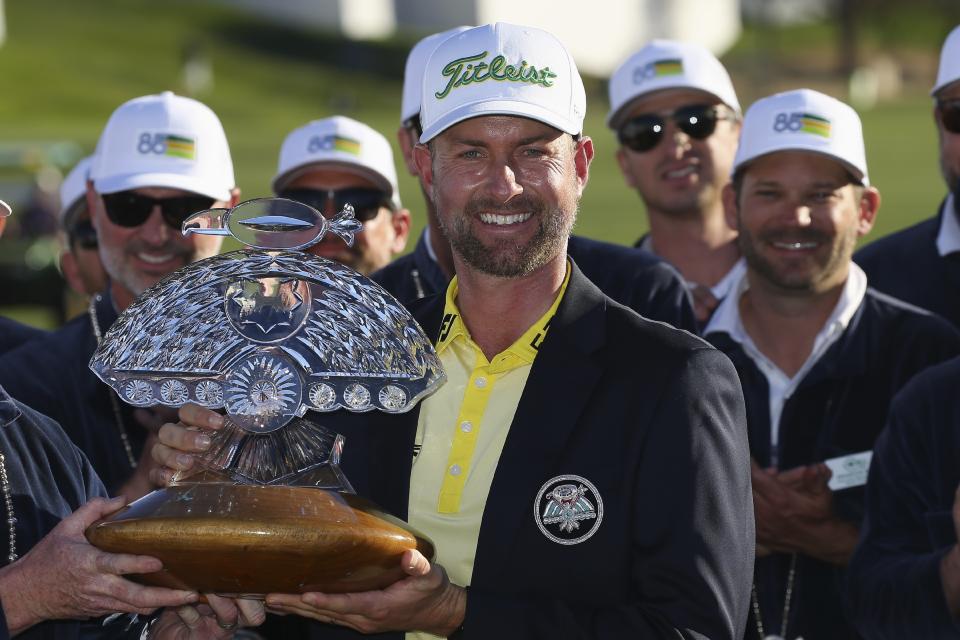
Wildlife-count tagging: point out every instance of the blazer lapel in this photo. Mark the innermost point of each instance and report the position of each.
(560, 384)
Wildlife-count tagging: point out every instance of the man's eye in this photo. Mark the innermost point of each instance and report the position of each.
(471, 153)
(534, 153)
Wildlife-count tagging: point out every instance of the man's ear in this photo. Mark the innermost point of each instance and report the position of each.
(583, 156)
(424, 164)
(405, 138)
(869, 206)
(731, 207)
(401, 230)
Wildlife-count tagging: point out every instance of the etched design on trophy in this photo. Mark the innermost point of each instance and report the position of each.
(393, 397)
(174, 392)
(209, 393)
(266, 334)
(263, 393)
(323, 396)
(138, 393)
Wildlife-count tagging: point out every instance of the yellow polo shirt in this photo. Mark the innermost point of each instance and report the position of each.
(460, 436)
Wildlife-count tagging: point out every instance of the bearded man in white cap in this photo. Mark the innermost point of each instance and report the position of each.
(159, 159)
(584, 471)
(677, 118)
(921, 264)
(632, 277)
(819, 354)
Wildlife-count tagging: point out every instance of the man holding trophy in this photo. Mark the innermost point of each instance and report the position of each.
(583, 472)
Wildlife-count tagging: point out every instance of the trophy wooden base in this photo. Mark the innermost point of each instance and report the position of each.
(250, 540)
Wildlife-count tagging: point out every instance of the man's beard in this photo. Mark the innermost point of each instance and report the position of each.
(507, 258)
(809, 279)
(117, 265)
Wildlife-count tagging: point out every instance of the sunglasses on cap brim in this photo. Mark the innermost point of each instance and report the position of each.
(131, 209)
(643, 132)
(366, 202)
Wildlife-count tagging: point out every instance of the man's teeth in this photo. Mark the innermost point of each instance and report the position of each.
(492, 218)
(795, 246)
(681, 173)
(154, 258)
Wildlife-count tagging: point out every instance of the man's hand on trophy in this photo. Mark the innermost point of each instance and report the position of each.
(65, 577)
(424, 601)
(217, 620)
(178, 441)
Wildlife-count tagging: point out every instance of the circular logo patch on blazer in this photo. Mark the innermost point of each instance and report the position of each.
(568, 509)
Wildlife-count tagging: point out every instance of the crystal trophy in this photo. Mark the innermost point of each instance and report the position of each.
(265, 334)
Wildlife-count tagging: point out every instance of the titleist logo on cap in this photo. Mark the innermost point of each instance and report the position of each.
(469, 69)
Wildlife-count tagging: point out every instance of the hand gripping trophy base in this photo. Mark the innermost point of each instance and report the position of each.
(221, 529)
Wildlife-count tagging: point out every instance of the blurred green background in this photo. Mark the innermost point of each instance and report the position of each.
(66, 64)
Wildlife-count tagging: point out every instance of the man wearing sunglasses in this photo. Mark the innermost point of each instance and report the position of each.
(80, 257)
(159, 159)
(337, 161)
(635, 278)
(921, 264)
(819, 354)
(677, 119)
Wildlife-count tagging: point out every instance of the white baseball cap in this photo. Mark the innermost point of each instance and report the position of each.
(803, 120)
(164, 140)
(339, 142)
(668, 64)
(413, 71)
(5, 209)
(502, 69)
(73, 191)
(949, 71)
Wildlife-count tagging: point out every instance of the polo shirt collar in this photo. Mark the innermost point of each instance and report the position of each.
(948, 237)
(726, 319)
(523, 351)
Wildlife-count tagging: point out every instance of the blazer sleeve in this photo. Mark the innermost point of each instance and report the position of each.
(894, 588)
(692, 530)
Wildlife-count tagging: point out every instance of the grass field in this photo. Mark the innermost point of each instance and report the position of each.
(66, 65)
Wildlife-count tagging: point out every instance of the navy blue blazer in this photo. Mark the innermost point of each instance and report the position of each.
(654, 419)
(907, 265)
(894, 577)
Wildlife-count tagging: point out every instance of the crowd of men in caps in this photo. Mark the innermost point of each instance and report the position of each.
(761, 421)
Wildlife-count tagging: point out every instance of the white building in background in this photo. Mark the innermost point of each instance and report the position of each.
(600, 33)
(356, 19)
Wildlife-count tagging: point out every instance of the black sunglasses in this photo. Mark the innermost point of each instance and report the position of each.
(366, 202)
(643, 132)
(950, 115)
(83, 235)
(130, 209)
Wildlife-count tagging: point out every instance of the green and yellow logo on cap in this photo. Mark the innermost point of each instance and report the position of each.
(670, 67)
(333, 142)
(167, 144)
(799, 122)
(181, 147)
(659, 69)
(470, 69)
(815, 124)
